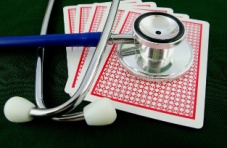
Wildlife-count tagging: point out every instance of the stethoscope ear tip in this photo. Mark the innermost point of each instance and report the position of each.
(17, 110)
(99, 113)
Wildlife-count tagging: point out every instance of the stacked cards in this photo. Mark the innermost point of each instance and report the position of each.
(180, 101)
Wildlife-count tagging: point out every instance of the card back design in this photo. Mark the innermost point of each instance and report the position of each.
(72, 18)
(96, 21)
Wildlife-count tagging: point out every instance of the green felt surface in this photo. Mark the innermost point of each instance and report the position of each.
(17, 70)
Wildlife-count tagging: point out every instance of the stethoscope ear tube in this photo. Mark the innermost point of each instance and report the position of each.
(81, 39)
(40, 58)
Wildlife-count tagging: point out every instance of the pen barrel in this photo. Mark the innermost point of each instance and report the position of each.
(82, 39)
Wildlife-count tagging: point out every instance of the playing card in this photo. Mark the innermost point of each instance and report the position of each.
(72, 19)
(76, 20)
(180, 101)
(69, 21)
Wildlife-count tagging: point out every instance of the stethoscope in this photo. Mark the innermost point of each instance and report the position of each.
(155, 50)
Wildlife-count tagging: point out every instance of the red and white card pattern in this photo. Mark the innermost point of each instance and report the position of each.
(75, 18)
(95, 21)
(180, 101)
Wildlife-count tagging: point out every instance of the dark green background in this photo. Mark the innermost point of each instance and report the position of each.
(17, 70)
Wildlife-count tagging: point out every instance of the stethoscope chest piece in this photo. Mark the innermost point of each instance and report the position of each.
(162, 53)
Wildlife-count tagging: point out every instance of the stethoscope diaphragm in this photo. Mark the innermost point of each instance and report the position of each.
(162, 53)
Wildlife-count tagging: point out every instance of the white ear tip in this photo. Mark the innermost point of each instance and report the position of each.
(101, 112)
(17, 110)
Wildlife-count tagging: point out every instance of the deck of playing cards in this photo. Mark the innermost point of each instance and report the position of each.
(180, 101)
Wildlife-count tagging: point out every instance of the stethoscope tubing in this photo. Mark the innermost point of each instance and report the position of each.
(78, 97)
(40, 58)
(80, 39)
